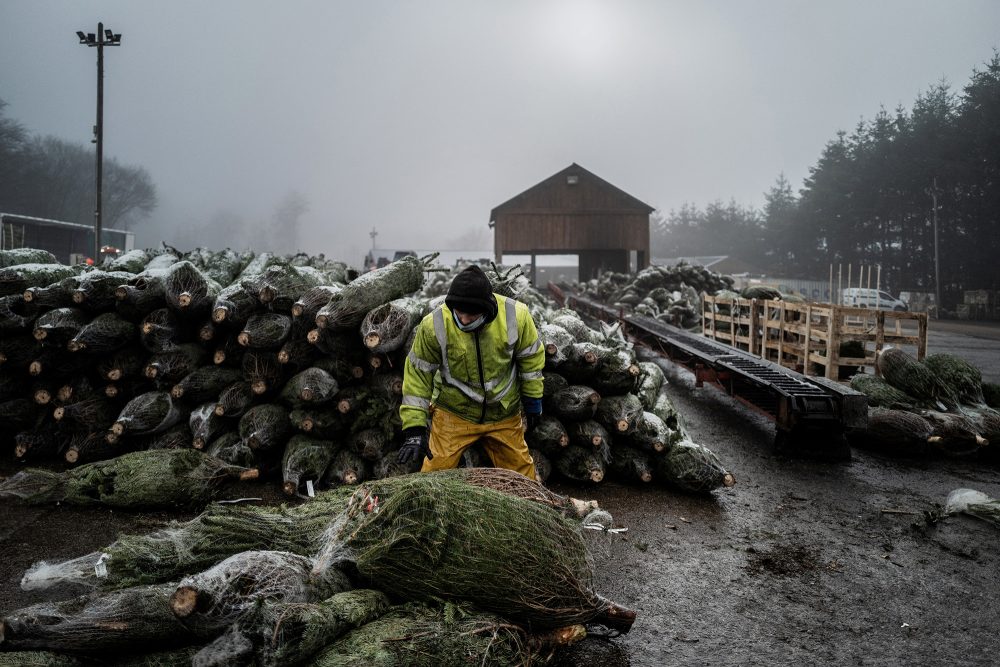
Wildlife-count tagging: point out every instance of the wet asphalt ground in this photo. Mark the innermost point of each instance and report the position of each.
(803, 562)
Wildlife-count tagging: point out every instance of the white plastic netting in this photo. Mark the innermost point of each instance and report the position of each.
(118, 620)
(974, 503)
(289, 633)
(518, 558)
(185, 548)
(225, 593)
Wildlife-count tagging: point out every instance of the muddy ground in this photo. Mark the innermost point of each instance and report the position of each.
(799, 563)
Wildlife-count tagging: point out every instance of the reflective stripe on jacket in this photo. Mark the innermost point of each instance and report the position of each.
(445, 363)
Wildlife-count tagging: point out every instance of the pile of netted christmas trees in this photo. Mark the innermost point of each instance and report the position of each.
(390, 572)
(667, 293)
(163, 375)
(606, 414)
(183, 363)
(937, 406)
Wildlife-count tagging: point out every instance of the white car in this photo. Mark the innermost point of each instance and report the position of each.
(860, 297)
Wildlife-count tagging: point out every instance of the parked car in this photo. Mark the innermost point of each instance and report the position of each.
(861, 297)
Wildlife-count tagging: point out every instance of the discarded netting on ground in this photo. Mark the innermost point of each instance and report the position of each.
(974, 503)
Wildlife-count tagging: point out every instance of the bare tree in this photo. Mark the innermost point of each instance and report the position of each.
(479, 238)
(13, 140)
(56, 180)
(285, 221)
(130, 195)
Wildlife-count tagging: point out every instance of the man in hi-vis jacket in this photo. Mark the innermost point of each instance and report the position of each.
(475, 365)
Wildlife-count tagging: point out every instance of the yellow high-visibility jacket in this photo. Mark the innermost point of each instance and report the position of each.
(478, 376)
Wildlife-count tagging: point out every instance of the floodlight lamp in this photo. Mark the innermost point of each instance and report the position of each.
(83, 38)
(118, 38)
(91, 37)
(110, 35)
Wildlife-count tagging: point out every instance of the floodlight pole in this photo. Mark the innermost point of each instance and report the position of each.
(98, 209)
(100, 42)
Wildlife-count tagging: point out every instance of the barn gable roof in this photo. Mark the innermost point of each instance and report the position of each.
(559, 179)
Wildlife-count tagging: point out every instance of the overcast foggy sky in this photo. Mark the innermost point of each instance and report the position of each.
(418, 117)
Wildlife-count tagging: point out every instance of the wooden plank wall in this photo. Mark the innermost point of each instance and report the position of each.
(562, 217)
(572, 231)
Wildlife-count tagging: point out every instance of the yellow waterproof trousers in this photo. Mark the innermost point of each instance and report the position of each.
(503, 441)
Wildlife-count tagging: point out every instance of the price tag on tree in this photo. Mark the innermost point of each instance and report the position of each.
(100, 569)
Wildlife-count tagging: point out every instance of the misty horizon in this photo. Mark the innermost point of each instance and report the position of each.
(417, 119)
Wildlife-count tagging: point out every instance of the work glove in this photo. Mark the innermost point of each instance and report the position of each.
(532, 411)
(532, 421)
(415, 445)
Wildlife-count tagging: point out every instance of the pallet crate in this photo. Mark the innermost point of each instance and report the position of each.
(807, 337)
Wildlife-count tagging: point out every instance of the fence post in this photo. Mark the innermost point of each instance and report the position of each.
(921, 336)
(832, 342)
(806, 365)
(879, 336)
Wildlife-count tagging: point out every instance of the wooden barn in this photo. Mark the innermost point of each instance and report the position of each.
(575, 212)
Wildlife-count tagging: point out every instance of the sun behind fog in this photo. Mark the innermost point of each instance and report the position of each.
(583, 36)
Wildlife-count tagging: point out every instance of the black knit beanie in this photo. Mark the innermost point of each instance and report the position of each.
(471, 292)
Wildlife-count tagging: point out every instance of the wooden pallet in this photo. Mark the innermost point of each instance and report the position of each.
(807, 336)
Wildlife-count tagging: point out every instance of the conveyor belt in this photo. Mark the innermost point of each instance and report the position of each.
(796, 402)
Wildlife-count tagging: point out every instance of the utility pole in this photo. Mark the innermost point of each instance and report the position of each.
(373, 233)
(100, 40)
